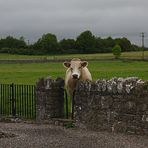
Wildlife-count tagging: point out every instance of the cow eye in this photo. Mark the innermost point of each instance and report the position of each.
(71, 69)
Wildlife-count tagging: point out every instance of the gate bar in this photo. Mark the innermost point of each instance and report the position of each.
(73, 96)
(13, 101)
(66, 100)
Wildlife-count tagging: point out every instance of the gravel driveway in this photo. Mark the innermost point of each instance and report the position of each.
(49, 136)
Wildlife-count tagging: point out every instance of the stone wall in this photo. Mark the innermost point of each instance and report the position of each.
(49, 99)
(117, 105)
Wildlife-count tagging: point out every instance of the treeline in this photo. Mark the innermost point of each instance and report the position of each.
(86, 42)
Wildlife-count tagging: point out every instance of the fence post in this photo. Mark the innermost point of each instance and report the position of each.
(13, 100)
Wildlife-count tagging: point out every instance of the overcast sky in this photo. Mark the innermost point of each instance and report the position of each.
(67, 18)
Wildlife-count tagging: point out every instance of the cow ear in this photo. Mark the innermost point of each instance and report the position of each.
(84, 64)
(66, 64)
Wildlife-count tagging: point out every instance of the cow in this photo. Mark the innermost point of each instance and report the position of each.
(76, 70)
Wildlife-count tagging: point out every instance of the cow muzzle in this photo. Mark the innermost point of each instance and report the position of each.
(75, 76)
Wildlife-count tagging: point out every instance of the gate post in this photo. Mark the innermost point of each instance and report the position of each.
(49, 99)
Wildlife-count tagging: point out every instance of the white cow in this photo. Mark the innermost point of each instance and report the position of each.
(76, 70)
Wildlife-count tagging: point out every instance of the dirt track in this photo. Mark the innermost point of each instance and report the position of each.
(49, 136)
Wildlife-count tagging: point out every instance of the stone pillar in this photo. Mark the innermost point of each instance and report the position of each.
(49, 99)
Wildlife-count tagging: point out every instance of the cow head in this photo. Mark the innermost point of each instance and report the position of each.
(75, 66)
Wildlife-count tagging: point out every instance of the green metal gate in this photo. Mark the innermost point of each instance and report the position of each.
(17, 100)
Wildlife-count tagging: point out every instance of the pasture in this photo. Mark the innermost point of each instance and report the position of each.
(29, 73)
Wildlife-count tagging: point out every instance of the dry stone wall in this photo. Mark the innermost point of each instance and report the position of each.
(117, 105)
(49, 99)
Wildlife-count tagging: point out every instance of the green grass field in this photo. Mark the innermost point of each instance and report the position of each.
(31, 72)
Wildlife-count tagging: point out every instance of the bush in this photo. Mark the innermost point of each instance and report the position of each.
(116, 51)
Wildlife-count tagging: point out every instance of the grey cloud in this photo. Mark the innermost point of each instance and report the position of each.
(67, 18)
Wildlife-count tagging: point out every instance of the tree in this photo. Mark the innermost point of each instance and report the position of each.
(85, 42)
(109, 42)
(98, 45)
(11, 42)
(66, 44)
(116, 51)
(124, 43)
(22, 38)
(47, 43)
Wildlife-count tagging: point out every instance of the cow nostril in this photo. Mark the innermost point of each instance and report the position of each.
(75, 76)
